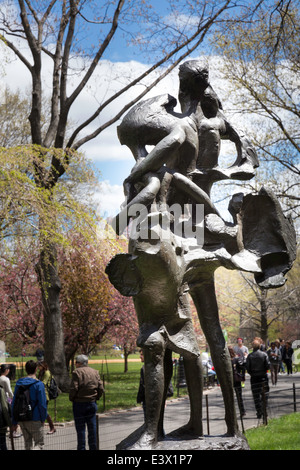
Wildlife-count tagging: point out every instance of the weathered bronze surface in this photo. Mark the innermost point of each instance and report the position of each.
(167, 264)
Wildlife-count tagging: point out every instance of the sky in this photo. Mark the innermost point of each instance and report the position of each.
(112, 160)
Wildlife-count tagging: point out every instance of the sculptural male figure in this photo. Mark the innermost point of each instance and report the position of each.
(152, 272)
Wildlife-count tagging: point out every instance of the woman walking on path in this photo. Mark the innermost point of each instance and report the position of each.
(287, 353)
(274, 358)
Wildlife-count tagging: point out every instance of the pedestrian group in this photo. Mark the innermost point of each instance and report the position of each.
(27, 406)
(257, 364)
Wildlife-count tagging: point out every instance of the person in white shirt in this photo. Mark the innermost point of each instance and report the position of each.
(242, 352)
(5, 382)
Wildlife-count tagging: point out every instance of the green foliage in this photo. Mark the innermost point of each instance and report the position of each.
(28, 210)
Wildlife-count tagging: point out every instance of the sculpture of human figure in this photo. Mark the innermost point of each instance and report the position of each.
(152, 273)
(185, 142)
(197, 96)
(176, 138)
(154, 122)
(157, 273)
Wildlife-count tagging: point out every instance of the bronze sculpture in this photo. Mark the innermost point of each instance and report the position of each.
(165, 263)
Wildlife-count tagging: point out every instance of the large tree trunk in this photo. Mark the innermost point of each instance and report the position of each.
(53, 328)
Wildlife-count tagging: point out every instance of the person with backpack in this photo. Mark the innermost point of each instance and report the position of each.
(29, 407)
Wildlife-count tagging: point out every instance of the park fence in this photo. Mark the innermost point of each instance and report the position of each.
(113, 427)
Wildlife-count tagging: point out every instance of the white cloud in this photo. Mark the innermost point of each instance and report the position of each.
(109, 198)
(107, 148)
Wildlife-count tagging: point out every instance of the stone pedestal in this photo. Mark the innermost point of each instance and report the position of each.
(176, 443)
(207, 443)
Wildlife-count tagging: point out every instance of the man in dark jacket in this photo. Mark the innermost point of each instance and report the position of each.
(86, 388)
(257, 365)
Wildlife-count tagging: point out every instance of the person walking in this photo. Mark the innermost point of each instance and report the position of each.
(281, 346)
(274, 358)
(242, 352)
(257, 365)
(5, 383)
(287, 354)
(237, 371)
(5, 420)
(45, 377)
(86, 388)
(32, 425)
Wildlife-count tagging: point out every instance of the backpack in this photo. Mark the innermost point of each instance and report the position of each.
(52, 388)
(22, 409)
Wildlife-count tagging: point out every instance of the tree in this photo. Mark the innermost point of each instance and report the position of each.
(87, 297)
(33, 215)
(21, 310)
(56, 30)
(253, 311)
(126, 332)
(261, 61)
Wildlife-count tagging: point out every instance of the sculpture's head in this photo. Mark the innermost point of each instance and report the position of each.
(193, 71)
(193, 79)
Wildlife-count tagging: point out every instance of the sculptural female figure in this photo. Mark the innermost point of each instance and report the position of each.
(152, 272)
(197, 96)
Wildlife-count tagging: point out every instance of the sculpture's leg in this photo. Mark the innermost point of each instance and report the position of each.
(194, 379)
(204, 297)
(168, 371)
(154, 351)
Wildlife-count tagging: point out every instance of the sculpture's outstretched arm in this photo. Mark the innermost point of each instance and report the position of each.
(245, 150)
(147, 195)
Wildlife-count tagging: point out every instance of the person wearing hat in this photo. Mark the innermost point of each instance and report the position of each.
(242, 352)
(86, 388)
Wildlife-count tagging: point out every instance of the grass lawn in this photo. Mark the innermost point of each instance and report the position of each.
(280, 434)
